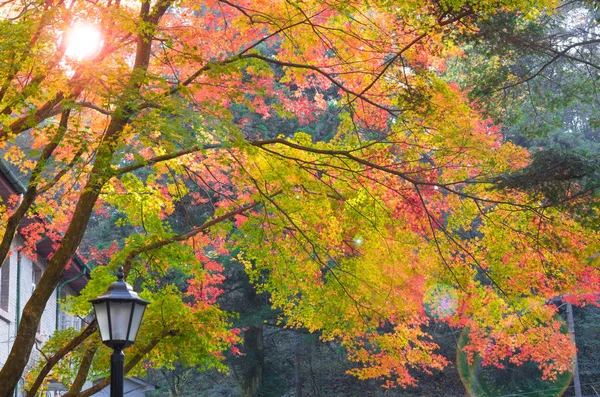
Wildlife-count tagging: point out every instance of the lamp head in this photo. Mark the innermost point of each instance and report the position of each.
(119, 312)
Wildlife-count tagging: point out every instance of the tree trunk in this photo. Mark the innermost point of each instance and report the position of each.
(254, 361)
(571, 325)
(297, 367)
(101, 172)
(32, 312)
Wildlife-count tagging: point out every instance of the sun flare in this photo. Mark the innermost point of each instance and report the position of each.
(83, 41)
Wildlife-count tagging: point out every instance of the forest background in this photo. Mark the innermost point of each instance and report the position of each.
(371, 187)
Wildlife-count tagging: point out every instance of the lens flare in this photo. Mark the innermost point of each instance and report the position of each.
(83, 41)
(440, 301)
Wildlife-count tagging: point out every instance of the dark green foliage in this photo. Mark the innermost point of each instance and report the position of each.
(537, 77)
(556, 175)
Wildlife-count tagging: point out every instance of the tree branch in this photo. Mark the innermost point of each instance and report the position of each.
(130, 364)
(184, 236)
(165, 157)
(84, 368)
(56, 357)
(13, 222)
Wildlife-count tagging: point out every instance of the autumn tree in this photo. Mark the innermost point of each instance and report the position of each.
(365, 236)
(538, 77)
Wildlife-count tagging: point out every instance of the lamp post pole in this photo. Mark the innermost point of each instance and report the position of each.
(117, 360)
(119, 312)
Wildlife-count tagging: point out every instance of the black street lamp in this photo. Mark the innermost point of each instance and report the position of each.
(119, 312)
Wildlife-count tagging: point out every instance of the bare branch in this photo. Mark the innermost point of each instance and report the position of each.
(93, 106)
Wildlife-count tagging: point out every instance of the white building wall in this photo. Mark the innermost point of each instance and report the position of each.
(66, 320)
(23, 287)
(8, 317)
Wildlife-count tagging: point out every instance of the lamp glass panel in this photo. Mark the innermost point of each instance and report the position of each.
(102, 317)
(138, 313)
(120, 313)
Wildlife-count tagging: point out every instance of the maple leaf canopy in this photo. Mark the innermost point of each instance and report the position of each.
(365, 234)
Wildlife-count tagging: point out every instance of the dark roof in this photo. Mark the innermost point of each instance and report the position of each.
(14, 186)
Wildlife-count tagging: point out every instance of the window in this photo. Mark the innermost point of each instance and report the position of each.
(5, 283)
(66, 321)
(36, 275)
(56, 389)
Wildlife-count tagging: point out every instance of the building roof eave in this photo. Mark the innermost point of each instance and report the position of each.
(17, 185)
